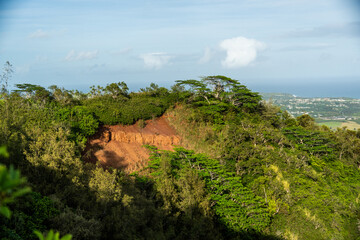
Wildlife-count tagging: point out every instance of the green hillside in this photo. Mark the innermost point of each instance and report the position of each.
(246, 169)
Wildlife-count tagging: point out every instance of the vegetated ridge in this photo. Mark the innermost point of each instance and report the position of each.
(246, 168)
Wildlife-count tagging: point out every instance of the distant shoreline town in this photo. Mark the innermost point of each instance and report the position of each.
(321, 108)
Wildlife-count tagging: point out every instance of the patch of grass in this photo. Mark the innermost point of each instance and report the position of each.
(194, 135)
(331, 124)
(351, 125)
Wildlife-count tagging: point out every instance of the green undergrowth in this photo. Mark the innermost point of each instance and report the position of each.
(310, 187)
(233, 203)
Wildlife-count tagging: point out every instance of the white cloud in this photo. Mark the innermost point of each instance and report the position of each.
(156, 60)
(39, 34)
(208, 54)
(240, 51)
(73, 55)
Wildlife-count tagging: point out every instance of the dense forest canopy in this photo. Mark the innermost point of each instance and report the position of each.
(246, 169)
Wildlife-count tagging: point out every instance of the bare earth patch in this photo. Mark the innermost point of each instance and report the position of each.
(122, 146)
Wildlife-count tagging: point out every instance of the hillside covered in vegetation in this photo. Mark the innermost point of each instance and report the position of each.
(244, 169)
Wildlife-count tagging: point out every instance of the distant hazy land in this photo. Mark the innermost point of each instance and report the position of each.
(333, 112)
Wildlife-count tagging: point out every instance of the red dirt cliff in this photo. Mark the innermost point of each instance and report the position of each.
(122, 146)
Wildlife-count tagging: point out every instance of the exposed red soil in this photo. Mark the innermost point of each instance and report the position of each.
(122, 146)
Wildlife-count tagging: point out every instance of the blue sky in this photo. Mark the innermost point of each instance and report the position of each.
(277, 45)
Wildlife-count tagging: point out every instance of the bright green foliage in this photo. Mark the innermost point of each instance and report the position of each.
(308, 177)
(116, 89)
(216, 95)
(52, 236)
(53, 160)
(65, 97)
(4, 152)
(154, 90)
(35, 92)
(113, 104)
(99, 183)
(235, 205)
(238, 207)
(315, 142)
(82, 121)
(11, 187)
(126, 111)
(348, 146)
(50, 149)
(306, 121)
